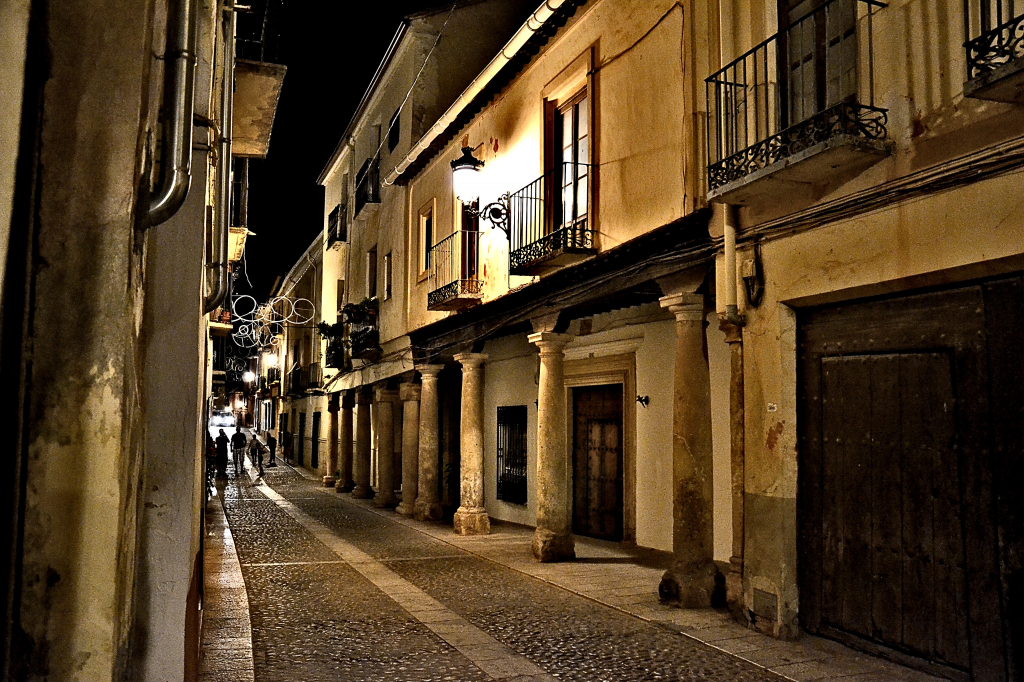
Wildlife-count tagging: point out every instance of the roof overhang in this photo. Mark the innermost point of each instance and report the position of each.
(257, 92)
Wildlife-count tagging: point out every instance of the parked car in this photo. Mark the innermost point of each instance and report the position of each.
(222, 418)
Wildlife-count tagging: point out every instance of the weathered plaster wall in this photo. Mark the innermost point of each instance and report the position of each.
(510, 378)
(13, 39)
(84, 421)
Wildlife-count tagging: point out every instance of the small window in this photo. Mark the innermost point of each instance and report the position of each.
(371, 273)
(387, 275)
(426, 236)
(395, 130)
(341, 296)
(512, 454)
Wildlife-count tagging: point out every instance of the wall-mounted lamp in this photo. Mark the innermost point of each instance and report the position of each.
(466, 180)
(271, 359)
(644, 400)
(248, 377)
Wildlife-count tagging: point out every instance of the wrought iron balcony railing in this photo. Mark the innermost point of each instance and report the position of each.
(316, 376)
(995, 49)
(274, 375)
(549, 222)
(365, 343)
(337, 225)
(298, 381)
(811, 83)
(454, 271)
(335, 355)
(368, 184)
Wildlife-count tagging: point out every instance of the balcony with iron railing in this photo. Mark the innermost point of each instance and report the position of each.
(316, 377)
(274, 375)
(368, 185)
(454, 279)
(798, 108)
(298, 381)
(995, 49)
(365, 342)
(549, 221)
(337, 225)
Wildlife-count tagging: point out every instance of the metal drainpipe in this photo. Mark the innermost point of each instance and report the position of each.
(222, 218)
(179, 81)
(731, 313)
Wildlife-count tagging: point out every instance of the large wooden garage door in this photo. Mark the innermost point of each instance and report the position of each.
(911, 443)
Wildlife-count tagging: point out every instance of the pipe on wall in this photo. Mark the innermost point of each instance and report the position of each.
(175, 173)
(222, 219)
(731, 313)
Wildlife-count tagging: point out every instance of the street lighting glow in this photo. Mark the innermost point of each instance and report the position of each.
(248, 377)
(271, 359)
(466, 176)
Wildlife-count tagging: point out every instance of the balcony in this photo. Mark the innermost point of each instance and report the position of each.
(797, 109)
(365, 343)
(273, 376)
(337, 226)
(335, 355)
(298, 381)
(454, 272)
(368, 186)
(549, 224)
(315, 375)
(995, 50)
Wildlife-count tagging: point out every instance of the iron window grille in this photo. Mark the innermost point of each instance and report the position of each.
(512, 454)
(337, 225)
(811, 82)
(368, 184)
(453, 264)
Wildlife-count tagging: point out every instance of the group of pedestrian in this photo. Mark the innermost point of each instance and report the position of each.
(240, 444)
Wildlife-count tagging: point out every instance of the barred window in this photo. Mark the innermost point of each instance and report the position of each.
(512, 454)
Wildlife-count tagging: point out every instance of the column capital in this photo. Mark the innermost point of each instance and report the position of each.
(429, 370)
(363, 398)
(686, 307)
(334, 403)
(348, 401)
(409, 391)
(384, 395)
(549, 342)
(472, 360)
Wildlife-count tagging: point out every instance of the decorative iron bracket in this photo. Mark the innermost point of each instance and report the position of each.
(496, 212)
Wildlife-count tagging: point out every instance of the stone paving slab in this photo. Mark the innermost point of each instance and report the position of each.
(632, 588)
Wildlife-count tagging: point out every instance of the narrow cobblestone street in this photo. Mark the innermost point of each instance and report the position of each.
(337, 590)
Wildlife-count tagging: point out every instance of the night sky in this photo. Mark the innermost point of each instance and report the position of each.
(332, 49)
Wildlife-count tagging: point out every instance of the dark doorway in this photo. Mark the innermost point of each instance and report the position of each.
(911, 445)
(314, 450)
(597, 462)
(300, 439)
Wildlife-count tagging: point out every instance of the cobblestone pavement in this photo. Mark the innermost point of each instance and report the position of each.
(318, 617)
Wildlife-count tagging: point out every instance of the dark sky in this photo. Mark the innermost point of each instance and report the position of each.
(331, 48)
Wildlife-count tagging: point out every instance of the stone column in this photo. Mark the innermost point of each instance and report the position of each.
(361, 463)
(737, 437)
(383, 402)
(553, 540)
(428, 504)
(410, 395)
(344, 483)
(471, 517)
(691, 579)
(332, 440)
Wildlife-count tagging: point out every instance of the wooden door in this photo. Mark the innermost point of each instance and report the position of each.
(597, 462)
(300, 438)
(314, 448)
(911, 443)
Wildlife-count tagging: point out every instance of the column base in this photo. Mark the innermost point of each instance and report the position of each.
(405, 508)
(340, 487)
(427, 511)
(472, 521)
(329, 481)
(385, 499)
(362, 492)
(548, 547)
(689, 586)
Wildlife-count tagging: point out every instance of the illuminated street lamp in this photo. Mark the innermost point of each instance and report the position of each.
(466, 180)
(248, 377)
(270, 359)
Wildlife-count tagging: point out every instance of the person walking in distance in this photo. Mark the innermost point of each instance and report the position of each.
(222, 455)
(238, 443)
(272, 446)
